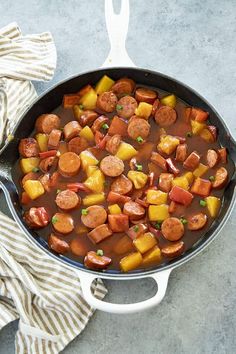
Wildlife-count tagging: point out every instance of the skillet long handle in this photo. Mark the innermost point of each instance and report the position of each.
(117, 28)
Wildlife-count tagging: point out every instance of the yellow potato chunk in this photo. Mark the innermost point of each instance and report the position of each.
(92, 199)
(96, 181)
(200, 170)
(139, 179)
(213, 205)
(156, 197)
(168, 144)
(87, 159)
(89, 100)
(104, 84)
(152, 256)
(78, 111)
(181, 181)
(87, 133)
(130, 262)
(158, 212)
(169, 100)
(114, 209)
(189, 176)
(33, 188)
(145, 242)
(144, 110)
(28, 164)
(42, 140)
(125, 151)
(197, 127)
(91, 169)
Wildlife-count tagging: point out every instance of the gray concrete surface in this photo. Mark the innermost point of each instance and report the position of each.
(195, 41)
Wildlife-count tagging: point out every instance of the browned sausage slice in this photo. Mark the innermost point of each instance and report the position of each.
(118, 222)
(100, 233)
(71, 130)
(136, 230)
(138, 127)
(36, 217)
(98, 123)
(88, 117)
(159, 160)
(165, 116)
(112, 166)
(134, 210)
(69, 164)
(172, 229)
(67, 200)
(96, 215)
(47, 122)
(29, 176)
(63, 223)
(126, 106)
(123, 85)
(94, 261)
(113, 144)
(181, 153)
(212, 158)
(192, 161)
(221, 178)
(197, 221)
(121, 185)
(165, 181)
(58, 245)
(173, 250)
(107, 101)
(77, 145)
(155, 106)
(45, 164)
(145, 95)
(28, 147)
(54, 139)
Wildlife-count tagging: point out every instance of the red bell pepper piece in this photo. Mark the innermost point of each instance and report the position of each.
(75, 187)
(49, 153)
(180, 195)
(114, 197)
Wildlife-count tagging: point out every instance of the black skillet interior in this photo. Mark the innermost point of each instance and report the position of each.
(52, 99)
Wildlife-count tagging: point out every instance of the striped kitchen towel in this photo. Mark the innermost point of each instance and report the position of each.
(44, 295)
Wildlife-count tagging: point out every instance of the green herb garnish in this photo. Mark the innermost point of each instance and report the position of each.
(119, 107)
(136, 228)
(184, 221)
(35, 169)
(189, 134)
(139, 139)
(54, 219)
(139, 167)
(202, 203)
(84, 212)
(100, 253)
(158, 225)
(212, 178)
(58, 191)
(105, 126)
(81, 106)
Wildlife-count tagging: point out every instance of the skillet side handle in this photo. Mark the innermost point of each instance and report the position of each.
(117, 28)
(161, 279)
(8, 187)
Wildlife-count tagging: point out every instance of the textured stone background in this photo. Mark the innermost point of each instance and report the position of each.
(194, 41)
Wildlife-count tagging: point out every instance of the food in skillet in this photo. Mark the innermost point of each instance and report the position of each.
(122, 176)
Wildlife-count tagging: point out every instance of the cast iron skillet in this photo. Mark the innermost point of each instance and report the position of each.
(52, 99)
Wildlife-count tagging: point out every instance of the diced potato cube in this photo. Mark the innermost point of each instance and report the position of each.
(190, 177)
(89, 100)
(168, 144)
(33, 188)
(87, 133)
(139, 179)
(181, 181)
(145, 242)
(114, 209)
(104, 84)
(92, 199)
(96, 181)
(156, 197)
(200, 170)
(152, 256)
(78, 111)
(87, 159)
(213, 205)
(130, 262)
(144, 110)
(197, 127)
(42, 140)
(28, 164)
(158, 212)
(91, 169)
(169, 100)
(125, 151)
(207, 135)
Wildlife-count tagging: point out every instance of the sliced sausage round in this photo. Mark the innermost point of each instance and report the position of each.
(197, 221)
(134, 210)
(46, 163)
(126, 106)
(71, 130)
(138, 127)
(181, 153)
(121, 185)
(98, 123)
(69, 164)
(67, 200)
(155, 106)
(28, 147)
(165, 116)
(172, 229)
(112, 166)
(96, 215)
(221, 178)
(29, 176)
(54, 139)
(145, 95)
(63, 223)
(173, 250)
(165, 181)
(94, 261)
(88, 117)
(77, 145)
(113, 144)
(107, 101)
(36, 217)
(45, 181)
(212, 158)
(47, 122)
(100, 233)
(123, 85)
(58, 245)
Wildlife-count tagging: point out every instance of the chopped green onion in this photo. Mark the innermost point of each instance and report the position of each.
(81, 106)
(35, 169)
(189, 134)
(84, 212)
(184, 221)
(119, 107)
(105, 183)
(202, 203)
(58, 191)
(158, 225)
(136, 228)
(105, 126)
(54, 219)
(100, 253)
(212, 178)
(139, 167)
(139, 139)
